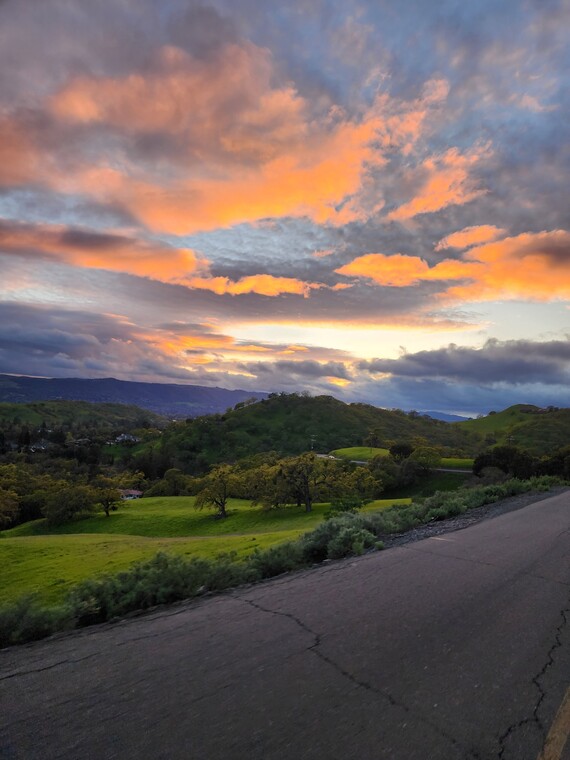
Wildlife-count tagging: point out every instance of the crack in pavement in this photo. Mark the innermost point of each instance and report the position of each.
(48, 667)
(534, 718)
(314, 648)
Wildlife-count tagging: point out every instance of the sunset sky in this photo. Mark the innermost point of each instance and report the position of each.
(367, 199)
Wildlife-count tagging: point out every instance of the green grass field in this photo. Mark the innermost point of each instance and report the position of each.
(366, 453)
(499, 422)
(360, 453)
(49, 562)
(456, 463)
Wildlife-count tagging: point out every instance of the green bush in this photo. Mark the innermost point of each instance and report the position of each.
(315, 545)
(277, 559)
(350, 540)
(26, 620)
(160, 580)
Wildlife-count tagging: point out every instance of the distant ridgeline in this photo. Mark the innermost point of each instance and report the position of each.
(171, 400)
(287, 424)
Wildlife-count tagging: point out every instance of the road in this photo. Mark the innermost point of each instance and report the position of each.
(453, 647)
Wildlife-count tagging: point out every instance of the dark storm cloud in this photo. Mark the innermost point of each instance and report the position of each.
(515, 362)
(307, 369)
(51, 331)
(457, 398)
(54, 342)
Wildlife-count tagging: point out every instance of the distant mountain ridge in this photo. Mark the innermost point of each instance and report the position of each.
(446, 417)
(169, 399)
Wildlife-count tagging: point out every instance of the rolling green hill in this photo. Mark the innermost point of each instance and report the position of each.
(291, 424)
(538, 431)
(49, 561)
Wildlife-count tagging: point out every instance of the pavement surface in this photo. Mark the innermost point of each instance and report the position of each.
(456, 646)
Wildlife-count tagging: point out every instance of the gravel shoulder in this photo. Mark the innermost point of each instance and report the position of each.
(471, 517)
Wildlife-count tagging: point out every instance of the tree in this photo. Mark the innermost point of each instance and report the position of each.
(9, 508)
(107, 494)
(428, 457)
(174, 483)
(70, 502)
(385, 472)
(509, 459)
(373, 439)
(217, 487)
(400, 451)
(308, 477)
(350, 490)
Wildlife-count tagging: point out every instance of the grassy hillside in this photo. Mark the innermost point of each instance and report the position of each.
(366, 453)
(536, 430)
(291, 424)
(360, 453)
(69, 414)
(36, 559)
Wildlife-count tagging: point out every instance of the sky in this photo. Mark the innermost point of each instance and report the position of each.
(361, 198)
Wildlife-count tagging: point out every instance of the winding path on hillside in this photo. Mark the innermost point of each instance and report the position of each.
(454, 647)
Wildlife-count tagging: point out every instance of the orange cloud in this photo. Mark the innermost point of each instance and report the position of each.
(293, 349)
(395, 271)
(340, 381)
(444, 181)
(19, 159)
(469, 236)
(263, 284)
(118, 253)
(219, 105)
(246, 148)
(531, 266)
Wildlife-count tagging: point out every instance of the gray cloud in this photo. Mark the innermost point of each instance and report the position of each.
(515, 362)
(306, 368)
(466, 399)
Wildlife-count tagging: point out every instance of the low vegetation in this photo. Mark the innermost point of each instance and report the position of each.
(166, 578)
(49, 560)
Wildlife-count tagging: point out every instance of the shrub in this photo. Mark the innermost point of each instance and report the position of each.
(350, 540)
(27, 620)
(277, 559)
(160, 580)
(315, 545)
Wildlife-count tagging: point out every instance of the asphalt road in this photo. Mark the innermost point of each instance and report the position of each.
(453, 647)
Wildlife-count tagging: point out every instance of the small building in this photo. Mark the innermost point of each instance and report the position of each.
(128, 494)
(127, 438)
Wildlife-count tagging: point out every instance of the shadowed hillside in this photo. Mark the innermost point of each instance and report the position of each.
(538, 431)
(291, 424)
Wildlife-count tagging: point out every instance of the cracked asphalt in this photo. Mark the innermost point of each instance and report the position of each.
(456, 646)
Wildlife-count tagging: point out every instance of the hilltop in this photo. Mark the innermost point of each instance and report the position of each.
(529, 427)
(290, 424)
